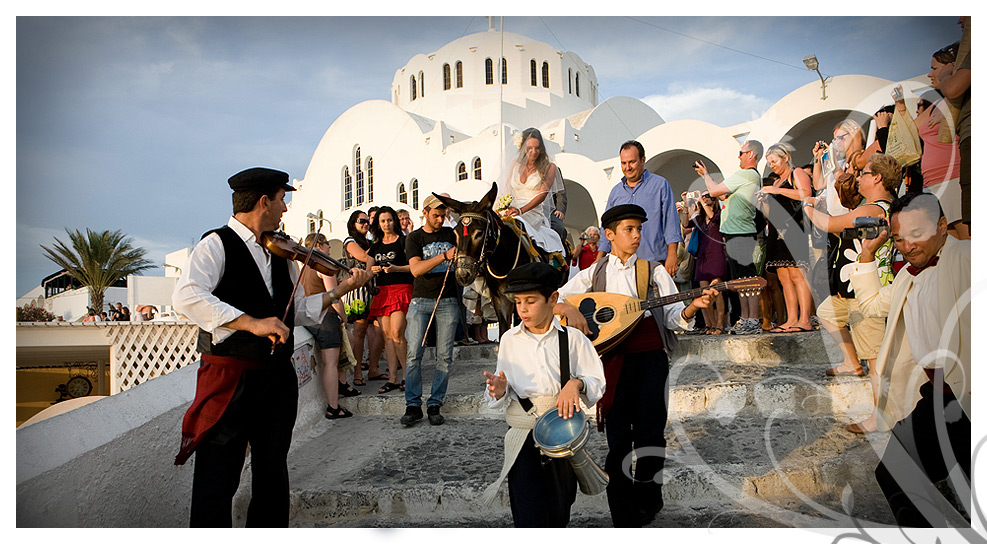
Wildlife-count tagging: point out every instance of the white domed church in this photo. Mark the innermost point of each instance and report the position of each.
(450, 125)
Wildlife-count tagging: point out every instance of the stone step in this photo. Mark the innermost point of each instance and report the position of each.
(756, 348)
(697, 389)
(373, 472)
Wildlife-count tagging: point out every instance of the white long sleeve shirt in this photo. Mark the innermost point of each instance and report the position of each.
(530, 363)
(193, 295)
(622, 279)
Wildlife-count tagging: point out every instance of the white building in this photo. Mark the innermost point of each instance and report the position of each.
(453, 114)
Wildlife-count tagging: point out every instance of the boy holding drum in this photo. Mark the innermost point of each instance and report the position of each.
(530, 372)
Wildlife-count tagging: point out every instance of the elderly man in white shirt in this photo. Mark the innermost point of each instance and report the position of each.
(924, 361)
(240, 296)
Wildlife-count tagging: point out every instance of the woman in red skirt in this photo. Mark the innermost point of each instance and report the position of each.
(390, 264)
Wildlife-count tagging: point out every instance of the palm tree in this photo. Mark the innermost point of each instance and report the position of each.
(98, 260)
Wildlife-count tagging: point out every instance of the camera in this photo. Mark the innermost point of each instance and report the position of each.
(867, 228)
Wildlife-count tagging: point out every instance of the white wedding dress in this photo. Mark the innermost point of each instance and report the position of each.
(535, 220)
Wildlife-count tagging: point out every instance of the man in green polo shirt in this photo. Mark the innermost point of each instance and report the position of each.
(737, 227)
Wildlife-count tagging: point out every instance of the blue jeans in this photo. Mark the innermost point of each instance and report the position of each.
(445, 322)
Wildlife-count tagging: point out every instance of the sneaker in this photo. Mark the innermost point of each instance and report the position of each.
(412, 415)
(434, 417)
(747, 326)
(738, 326)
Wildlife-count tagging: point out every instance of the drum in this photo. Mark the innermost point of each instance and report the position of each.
(557, 437)
(564, 439)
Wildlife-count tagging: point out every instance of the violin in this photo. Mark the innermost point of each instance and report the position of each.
(282, 245)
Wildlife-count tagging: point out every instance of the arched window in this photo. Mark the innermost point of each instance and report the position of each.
(461, 171)
(544, 74)
(421, 84)
(414, 193)
(489, 66)
(347, 188)
(577, 83)
(414, 88)
(476, 168)
(459, 74)
(359, 178)
(370, 179)
(534, 73)
(503, 71)
(446, 77)
(402, 194)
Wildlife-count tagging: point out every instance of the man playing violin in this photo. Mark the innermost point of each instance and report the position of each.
(634, 407)
(240, 296)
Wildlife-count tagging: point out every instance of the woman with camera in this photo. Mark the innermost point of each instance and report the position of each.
(868, 195)
(787, 236)
(702, 213)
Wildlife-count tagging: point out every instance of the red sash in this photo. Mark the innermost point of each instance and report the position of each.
(644, 337)
(215, 384)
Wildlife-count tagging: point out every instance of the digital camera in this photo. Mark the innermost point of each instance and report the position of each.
(867, 228)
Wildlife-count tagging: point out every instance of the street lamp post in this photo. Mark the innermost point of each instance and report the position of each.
(812, 63)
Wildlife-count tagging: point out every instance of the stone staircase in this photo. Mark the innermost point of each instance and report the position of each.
(755, 439)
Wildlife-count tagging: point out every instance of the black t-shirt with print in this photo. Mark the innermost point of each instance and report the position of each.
(426, 245)
(390, 254)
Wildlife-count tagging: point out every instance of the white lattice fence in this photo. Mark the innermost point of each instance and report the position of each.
(142, 351)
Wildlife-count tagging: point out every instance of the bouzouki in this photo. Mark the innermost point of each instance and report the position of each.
(611, 317)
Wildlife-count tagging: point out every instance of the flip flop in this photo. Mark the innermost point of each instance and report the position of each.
(796, 329)
(359, 381)
(388, 387)
(383, 376)
(780, 329)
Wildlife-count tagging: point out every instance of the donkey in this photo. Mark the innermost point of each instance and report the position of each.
(488, 248)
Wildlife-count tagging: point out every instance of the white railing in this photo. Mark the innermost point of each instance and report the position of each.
(145, 350)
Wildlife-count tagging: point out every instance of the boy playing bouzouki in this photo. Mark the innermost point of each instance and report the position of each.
(634, 407)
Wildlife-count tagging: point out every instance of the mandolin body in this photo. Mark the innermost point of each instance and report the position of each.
(611, 317)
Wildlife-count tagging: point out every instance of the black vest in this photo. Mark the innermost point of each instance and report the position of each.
(243, 287)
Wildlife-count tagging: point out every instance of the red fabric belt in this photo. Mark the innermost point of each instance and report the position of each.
(644, 337)
(215, 384)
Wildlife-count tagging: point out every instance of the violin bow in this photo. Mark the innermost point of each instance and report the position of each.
(298, 281)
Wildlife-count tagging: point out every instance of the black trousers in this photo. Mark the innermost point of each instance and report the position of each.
(636, 423)
(262, 414)
(916, 448)
(541, 489)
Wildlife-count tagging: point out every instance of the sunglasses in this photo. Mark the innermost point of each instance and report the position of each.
(362, 221)
(867, 173)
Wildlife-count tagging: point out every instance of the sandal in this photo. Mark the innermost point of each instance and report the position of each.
(359, 381)
(383, 376)
(336, 413)
(831, 372)
(347, 391)
(388, 387)
(716, 331)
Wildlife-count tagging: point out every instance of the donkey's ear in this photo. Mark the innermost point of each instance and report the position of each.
(488, 199)
(451, 203)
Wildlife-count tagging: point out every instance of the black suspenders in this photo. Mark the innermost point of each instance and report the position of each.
(563, 365)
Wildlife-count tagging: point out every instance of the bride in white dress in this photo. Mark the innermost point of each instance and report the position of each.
(532, 194)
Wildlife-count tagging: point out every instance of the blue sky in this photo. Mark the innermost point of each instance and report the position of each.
(136, 123)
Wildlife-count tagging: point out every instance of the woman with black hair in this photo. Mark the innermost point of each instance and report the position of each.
(388, 262)
(357, 305)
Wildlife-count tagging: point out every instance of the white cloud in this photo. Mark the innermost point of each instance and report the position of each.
(720, 106)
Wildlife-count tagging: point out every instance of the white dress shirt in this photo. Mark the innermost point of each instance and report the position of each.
(622, 279)
(530, 363)
(193, 295)
(920, 312)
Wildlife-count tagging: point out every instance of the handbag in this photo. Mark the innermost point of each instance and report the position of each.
(693, 246)
(904, 143)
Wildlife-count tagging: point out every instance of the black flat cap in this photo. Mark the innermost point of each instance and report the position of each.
(258, 178)
(532, 276)
(624, 211)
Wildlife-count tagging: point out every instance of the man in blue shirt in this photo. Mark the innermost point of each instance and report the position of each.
(661, 236)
